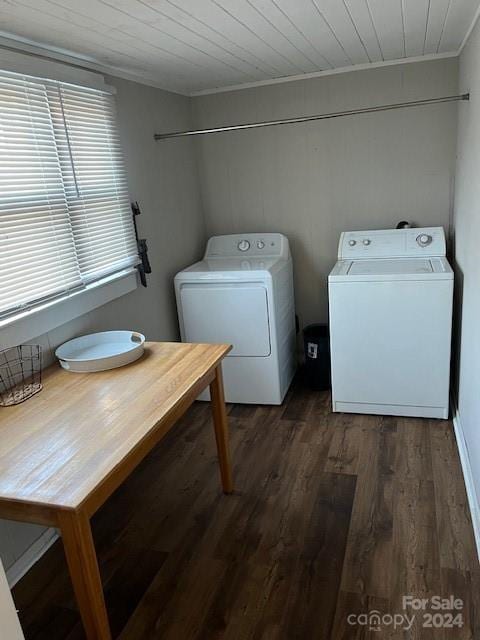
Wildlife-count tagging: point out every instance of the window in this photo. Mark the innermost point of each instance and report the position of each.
(65, 218)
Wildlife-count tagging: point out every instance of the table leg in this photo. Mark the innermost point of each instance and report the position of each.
(221, 429)
(82, 563)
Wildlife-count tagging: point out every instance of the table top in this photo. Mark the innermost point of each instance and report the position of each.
(59, 446)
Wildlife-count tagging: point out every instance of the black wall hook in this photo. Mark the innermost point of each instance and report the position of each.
(143, 266)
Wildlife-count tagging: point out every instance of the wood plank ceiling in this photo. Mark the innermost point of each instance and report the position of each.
(196, 45)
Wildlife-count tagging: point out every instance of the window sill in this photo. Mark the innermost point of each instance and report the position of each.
(35, 322)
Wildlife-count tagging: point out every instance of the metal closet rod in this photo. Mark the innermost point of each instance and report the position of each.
(321, 116)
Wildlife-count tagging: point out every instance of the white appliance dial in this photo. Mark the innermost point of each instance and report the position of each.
(424, 240)
(366, 242)
(260, 244)
(352, 243)
(243, 245)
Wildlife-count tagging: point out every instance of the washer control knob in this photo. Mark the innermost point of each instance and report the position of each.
(366, 242)
(424, 240)
(260, 244)
(243, 245)
(352, 243)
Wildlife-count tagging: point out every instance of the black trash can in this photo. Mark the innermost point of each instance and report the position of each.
(317, 356)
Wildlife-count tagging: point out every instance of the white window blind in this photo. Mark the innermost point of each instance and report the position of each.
(65, 217)
(37, 255)
(95, 181)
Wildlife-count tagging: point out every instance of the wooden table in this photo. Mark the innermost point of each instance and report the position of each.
(66, 450)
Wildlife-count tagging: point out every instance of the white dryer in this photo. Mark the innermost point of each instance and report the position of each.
(241, 293)
(390, 296)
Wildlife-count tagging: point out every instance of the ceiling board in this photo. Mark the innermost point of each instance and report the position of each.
(388, 20)
(459, 18)
(359, 12)
(341, 23)
(415, 15)
(199, 45)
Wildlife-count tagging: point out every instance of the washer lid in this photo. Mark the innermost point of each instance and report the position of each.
(391, 269)
(386, 267)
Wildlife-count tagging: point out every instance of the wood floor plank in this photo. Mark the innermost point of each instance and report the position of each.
(243, 411)
(465, 586)
(368, 562)
(413, 452)
(345, 446)
(332, 514)
(310, 608)
(48, 585)
(135, 570)
(455, 532)
(299, 400)
(54, 622)
(241, 602)
(415, 553)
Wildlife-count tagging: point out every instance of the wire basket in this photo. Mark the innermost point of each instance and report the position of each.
(20, 374)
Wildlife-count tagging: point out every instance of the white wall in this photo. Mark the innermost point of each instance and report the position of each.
(163, 178)
(467, 259)
(10, 624)
(312, 181)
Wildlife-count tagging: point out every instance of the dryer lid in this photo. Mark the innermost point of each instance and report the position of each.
(231, 270)
(234, 264)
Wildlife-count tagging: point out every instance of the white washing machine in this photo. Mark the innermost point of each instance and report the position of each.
(241, 293)
(390, 296)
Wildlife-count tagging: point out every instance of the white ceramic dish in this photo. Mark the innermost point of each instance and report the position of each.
(101, 351)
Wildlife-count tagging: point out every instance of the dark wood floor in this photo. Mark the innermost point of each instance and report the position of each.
(332, 515)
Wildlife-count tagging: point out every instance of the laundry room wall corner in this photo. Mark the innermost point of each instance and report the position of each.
(466, 379)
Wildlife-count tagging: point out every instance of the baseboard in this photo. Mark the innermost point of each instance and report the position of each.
(20, 567)
(472, 497)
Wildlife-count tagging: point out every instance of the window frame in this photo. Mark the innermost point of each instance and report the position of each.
(43, 316)
(34, 322)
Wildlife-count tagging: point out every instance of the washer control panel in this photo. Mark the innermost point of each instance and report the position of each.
(392, 243)
(423, 239)
(257, 245)
(243, 245)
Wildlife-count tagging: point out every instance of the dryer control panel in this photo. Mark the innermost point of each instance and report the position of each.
(392, 243)
(256, 245)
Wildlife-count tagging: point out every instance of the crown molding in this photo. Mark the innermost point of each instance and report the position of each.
(329, 72)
